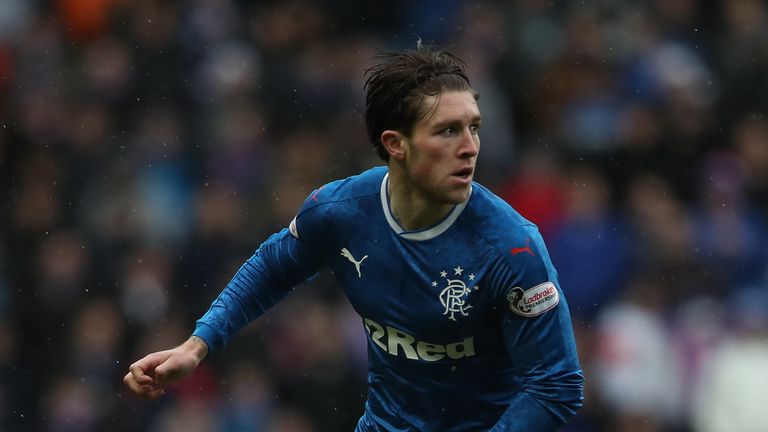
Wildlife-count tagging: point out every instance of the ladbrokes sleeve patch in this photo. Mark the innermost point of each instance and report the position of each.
(534, 301)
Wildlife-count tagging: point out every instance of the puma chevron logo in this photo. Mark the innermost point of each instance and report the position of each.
(526, 248)
(348, 255)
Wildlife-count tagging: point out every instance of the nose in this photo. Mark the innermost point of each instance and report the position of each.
(469, 145)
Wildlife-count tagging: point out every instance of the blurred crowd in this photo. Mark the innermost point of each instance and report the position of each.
(147, 147)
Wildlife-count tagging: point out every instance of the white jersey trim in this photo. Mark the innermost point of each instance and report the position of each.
(420, 235)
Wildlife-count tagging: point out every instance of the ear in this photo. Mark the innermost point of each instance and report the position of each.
(394, 143)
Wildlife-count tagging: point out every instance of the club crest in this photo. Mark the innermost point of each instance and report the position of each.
(454, 295)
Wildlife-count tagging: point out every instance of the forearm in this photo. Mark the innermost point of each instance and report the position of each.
(197, 346)
(543, 407)
(525, 413)
(262, 281)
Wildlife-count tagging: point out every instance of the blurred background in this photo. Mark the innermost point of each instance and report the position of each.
(147, 147)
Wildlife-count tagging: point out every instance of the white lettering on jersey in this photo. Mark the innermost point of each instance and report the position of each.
(348, 255)
(394, 342)
(534, 301)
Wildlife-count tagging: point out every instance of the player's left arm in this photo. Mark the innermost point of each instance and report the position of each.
(538, 333)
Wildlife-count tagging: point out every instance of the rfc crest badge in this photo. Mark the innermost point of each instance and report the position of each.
(454, 296)
(534, 301)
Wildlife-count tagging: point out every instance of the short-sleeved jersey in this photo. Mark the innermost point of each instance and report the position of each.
(466, 323)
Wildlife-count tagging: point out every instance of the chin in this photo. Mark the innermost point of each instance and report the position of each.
(457, 197)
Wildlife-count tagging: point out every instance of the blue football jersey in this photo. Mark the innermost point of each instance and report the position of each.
(468, 329)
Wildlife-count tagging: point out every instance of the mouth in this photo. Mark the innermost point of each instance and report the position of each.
(464, 173)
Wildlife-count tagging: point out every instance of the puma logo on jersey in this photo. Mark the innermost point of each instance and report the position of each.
(314, 195)
(526, 248)
(348, 255)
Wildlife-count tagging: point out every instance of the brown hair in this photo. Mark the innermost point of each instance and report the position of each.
(397, 84)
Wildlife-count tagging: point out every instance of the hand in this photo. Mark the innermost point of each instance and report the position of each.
(148, 375)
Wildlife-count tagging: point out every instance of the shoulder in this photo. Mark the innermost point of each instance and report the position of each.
(517, 245)
(522, 272)
(339, 199)
(364, 184)
(496, 221)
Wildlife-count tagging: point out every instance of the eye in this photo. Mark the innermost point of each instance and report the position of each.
(475, 129)
(449, 131)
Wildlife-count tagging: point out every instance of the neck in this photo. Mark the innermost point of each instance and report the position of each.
(412, 209)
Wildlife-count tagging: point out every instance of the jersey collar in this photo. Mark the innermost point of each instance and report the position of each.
(424, 234)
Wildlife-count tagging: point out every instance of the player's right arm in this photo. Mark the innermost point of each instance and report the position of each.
(280, 263)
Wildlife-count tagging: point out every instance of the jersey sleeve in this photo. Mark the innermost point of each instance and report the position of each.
(538, 334)
(283, 261)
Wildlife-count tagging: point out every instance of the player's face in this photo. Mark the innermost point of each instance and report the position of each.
(443, 148)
